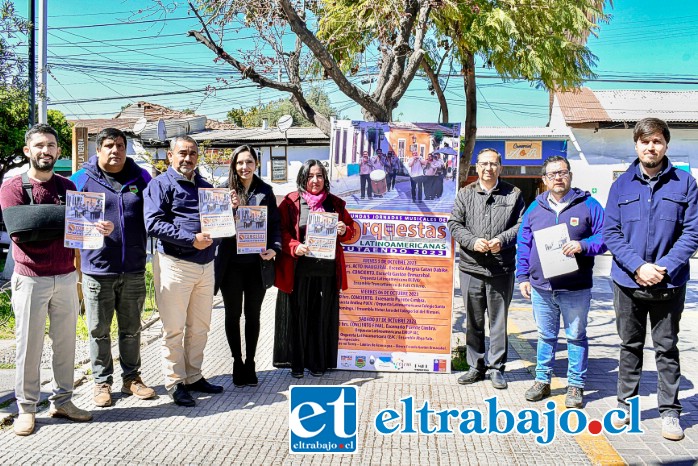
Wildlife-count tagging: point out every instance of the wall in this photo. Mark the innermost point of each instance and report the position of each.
(608, 150)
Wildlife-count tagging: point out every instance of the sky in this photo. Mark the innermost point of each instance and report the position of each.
(104, 55)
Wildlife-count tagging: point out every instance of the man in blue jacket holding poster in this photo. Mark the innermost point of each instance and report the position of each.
(651, 228)
(569, 294)
(113, 277)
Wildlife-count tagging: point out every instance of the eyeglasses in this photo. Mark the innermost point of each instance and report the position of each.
(488, 164)
(560, 173)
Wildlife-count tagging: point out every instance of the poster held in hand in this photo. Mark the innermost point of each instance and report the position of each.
(549, 242)
(321, 235)
(251, 225)
(216, 212)
(82, 212)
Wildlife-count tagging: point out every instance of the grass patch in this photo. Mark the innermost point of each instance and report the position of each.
(458, 359)
(4, 365)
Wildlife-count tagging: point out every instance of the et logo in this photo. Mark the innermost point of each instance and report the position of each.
(323, 419)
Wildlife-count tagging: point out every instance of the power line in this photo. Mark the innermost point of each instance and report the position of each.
(123, 23)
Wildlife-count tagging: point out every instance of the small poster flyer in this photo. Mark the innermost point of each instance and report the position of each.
(251, 224)
(82, 212)
(321, 235)
(216, 212)
(549, 242)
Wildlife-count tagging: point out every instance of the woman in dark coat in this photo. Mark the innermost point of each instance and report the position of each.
(239, 275)
(307, 307)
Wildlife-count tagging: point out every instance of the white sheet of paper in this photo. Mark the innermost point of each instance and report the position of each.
(549, 242)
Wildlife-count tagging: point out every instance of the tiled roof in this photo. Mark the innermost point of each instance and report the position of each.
(581, 106)
(587, 106)
(241, 135)
(96, 125)
(630, 105)
(497, 132)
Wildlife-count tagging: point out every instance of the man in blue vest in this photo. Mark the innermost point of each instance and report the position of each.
(113, 277)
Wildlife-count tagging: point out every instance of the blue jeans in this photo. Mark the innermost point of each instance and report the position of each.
(124, 294)
(574, 307)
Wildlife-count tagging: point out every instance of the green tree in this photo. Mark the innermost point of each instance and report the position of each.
(14, 115)
(12, 36)
(542, 42)
(272, 111)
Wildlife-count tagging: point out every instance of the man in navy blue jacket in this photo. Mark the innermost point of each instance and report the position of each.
(113, 277)
(651, 228)
(182, 269)
(569, 294)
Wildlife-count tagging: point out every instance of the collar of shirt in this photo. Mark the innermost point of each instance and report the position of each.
(488, 191)
(557, 206)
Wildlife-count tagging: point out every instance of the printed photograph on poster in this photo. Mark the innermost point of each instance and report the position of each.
(82, 212)
(216, 213)
(321, 234)
(397, 167)
(549, 242)
(399, 183)
(251, 226)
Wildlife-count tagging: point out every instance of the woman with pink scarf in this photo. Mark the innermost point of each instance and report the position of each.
(307, 307)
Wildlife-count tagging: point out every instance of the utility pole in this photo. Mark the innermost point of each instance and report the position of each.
(43, 65)
(32, 64)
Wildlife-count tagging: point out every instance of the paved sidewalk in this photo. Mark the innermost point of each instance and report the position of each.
(250, 425)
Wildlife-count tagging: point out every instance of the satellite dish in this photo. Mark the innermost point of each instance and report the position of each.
(139, 126)
(162, 130)
(284, 123)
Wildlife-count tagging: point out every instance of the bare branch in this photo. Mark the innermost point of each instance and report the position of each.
(434, 79)
(299, 27)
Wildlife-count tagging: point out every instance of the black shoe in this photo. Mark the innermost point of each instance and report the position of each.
(297, 375)
(202, 385)
(473, 375)
(497, 379)
(317, 373)
(239, 376)
(538, 391)
(250, 374)
(182, 397)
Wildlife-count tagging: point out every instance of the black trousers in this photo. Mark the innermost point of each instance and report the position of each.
(366, 180)
(417, 185)
(491, 295)
(242, 281)
(390, 179)
(631, 322)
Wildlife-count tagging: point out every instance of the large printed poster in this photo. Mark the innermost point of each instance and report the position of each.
(399, 181)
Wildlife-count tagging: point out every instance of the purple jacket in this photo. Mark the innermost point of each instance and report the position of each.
(124, 249)
(584, 217)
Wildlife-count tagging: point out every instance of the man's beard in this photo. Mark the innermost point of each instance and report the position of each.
(651, 163)
(36, 165)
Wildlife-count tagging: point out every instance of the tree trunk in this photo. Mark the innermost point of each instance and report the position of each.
(468, 66)
(434, 79)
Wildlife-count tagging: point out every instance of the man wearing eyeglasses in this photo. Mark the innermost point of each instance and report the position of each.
(568, 295)
(485, 219)
(651, 228)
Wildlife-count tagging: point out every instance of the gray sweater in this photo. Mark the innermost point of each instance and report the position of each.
(477, 214)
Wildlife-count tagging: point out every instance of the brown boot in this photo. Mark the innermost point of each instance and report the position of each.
(137, 388)
(102, 395)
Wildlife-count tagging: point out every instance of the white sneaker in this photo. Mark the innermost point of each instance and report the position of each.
(24, 424)
(671, 428)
